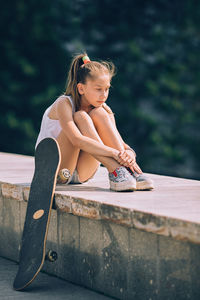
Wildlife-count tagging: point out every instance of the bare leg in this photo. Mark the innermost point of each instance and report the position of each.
(106, 128)
(72, 157)
(87, 164)
(69, 153)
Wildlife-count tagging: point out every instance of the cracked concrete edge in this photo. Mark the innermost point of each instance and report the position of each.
(12, 191)
(177, 229)
(161, 225)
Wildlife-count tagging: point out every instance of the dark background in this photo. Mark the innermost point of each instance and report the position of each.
(155, 46)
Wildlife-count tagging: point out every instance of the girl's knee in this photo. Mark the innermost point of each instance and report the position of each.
(81, 117)
(98, 113)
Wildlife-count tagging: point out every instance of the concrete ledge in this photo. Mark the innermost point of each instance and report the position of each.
(172, 209)
(138, 245)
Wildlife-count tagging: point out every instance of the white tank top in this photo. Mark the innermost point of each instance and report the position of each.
(50, 127)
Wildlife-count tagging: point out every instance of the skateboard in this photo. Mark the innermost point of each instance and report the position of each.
(33, 245)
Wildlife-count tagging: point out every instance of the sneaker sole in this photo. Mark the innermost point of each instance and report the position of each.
(123, 187)
(145, 185)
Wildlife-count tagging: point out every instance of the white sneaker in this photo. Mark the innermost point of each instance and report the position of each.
(142, 181)
(122, 180)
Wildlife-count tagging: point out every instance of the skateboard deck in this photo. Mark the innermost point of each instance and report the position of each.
(33, 246)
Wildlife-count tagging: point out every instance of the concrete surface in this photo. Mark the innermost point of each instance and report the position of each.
(172, 209)
(134, 245)
(44, 287)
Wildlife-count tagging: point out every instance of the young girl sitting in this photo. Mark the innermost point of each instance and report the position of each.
(84, 127)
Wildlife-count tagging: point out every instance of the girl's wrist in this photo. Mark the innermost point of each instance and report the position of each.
(115, 153)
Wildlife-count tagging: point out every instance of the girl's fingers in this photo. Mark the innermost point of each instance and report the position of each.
(127, 161)
(121, 153)
(131, 161)
(132, 169)
(120, 159)
(132, 165)
(123, 158)
(137, 168)
(121, 162)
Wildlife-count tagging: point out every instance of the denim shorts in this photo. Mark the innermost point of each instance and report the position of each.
(74, 179)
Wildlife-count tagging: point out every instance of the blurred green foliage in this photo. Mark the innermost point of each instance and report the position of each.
(155, 96)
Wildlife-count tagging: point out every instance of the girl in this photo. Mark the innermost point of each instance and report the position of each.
(84, 127)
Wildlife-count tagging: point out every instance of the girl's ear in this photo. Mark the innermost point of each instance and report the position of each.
(80, 88)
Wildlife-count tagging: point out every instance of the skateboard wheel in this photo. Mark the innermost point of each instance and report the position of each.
(63, 176)
(51, 256)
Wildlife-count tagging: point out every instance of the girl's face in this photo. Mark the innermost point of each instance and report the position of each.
(94, 92)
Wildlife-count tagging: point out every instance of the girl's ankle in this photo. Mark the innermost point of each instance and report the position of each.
(113, 168)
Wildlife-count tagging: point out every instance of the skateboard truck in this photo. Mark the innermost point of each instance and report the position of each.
(51, 256)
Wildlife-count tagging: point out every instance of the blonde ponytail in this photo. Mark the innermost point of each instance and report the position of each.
(72, 80)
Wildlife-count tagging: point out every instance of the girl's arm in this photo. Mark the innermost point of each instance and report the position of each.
(64, 115)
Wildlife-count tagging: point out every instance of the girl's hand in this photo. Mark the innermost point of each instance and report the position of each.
(125, 159)
(128, 159)
(131, 154)
(136, 168)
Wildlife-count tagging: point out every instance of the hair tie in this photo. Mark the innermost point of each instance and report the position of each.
(86, 59)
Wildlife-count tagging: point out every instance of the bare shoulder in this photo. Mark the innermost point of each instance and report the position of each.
(61, 103)
(63, 100)
(63, 107)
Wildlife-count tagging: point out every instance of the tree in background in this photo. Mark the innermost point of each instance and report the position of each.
(155, 95)
(33, 68)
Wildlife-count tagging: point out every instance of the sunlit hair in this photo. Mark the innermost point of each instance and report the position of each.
(80, 72)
